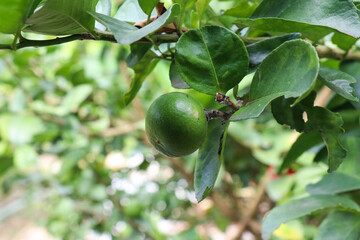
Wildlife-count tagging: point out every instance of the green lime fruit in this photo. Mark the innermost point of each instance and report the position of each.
(176, 124)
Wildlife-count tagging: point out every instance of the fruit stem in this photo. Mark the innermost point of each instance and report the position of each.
(223, 99)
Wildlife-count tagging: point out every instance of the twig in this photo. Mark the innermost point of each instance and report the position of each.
(253, 209)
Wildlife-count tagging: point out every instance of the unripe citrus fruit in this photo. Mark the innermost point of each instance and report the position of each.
(176, 124)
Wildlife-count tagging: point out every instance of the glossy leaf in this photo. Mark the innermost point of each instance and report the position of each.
(258, 51)
(289, 71)
(210, 159)
(142, 69)
(148, 5)
(276, 25)
(211, 59)
(338, 15)
(63, 17)
(334, 183)
(175, 78)
(329, 125)
(338, 81)
(300, 207)
(126, 33)
(303, 143)
(339, 225)
(353, 68)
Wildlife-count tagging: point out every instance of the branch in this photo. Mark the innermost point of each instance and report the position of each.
(101, 36)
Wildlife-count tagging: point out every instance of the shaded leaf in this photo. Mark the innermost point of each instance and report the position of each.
(329, 125)
(334, 183)
(63, 17)
(258, 51)
(142, 69)
(126, 33)
(210, 158)
(338, 81)
(293, 75)
(201, 6)
(301, 207)
(175, 78)
(339, 225)
(285, 113)
(303, 143)
(338, 15)
(138, 50)
(351, 163)
(211, 59)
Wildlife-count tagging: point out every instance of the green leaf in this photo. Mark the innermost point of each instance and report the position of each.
(243, 9)
(138, 50)
(211, 59)
(201, 6)
(301, 207)
(175, 78)
(340, 225)
(351, 163)
(148, 5)
(353, 68)
(63, 17)
(126, 33)
(338, 81)
(19, 129)
(329, 125)
(14, 13)
(142, 69)
(303, 143)
(277, 25)
(210, 158)
(285, 113)
(258, 51)
(343, 41)
(294, 73)
(25, 156)
(334, 183)
(338, 15)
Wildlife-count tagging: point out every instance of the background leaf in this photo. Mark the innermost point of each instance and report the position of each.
(103, 7)
(300, 207)
(211, 59)
(353, 68)
(63, 17)
(338, 81)
(274, 80)
(334, 183)
(210, 159)
(126, 33)
(25, 156)
(340, 225)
